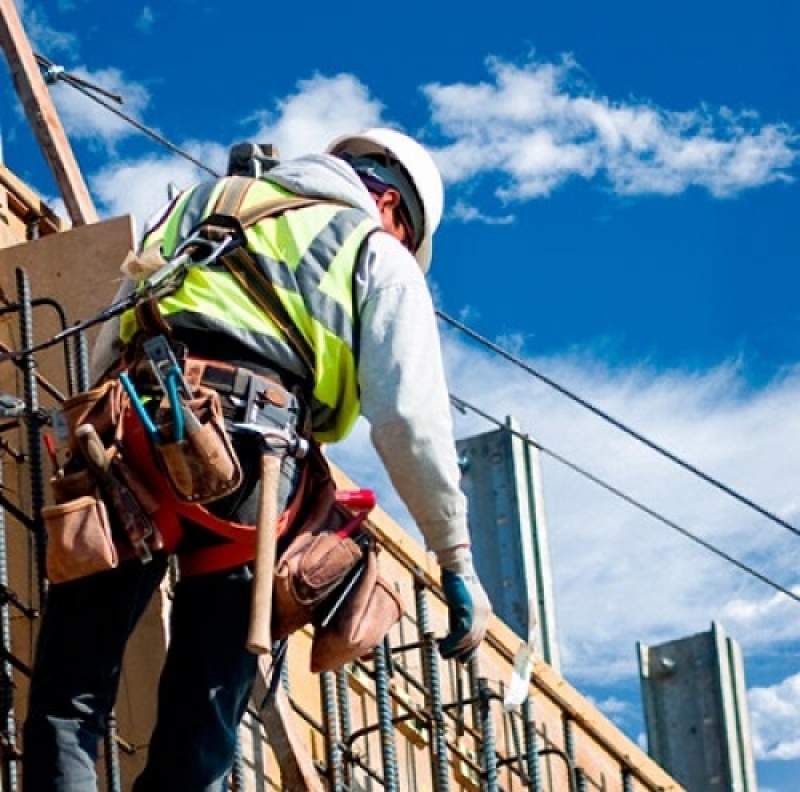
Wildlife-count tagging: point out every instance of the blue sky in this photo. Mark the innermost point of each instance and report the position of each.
(621, 186)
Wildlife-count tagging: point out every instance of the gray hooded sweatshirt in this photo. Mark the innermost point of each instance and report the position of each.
(401, 376)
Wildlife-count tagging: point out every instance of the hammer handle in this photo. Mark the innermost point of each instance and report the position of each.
(259, 639)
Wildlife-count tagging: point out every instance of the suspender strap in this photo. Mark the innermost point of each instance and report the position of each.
(226, 217)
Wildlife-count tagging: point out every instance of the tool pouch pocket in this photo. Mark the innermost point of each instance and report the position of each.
(333, 583)
(101, 407)
(79, 541)
(306, 574)
(126, 511)
(203, 466)
(360, 622)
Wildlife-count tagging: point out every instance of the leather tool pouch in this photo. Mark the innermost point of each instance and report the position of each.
(203, 466)
(329, 578)
(361, 620)
(86, 533)
(79, 541)
(308, 572)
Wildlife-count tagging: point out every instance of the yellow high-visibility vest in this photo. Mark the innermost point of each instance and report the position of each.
(309, 255)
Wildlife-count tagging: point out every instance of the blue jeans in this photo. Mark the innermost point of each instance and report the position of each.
(204, 687)
(203, 691)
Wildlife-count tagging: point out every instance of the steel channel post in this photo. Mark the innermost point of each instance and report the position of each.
(433, 693)
(531, 748)
(333, 738)
(391, 781)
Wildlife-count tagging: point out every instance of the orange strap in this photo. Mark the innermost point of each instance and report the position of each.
(238, 545)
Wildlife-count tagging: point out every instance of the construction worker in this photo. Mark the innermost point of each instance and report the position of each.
(353, 267)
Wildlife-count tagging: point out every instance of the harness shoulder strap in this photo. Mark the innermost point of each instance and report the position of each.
(227, 216)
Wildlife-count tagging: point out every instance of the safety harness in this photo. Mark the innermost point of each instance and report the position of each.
(224, 228)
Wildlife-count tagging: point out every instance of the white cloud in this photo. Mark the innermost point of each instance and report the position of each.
(140, 188)
(306, 121)
(775, 720)
(321, 108)
(470, 214)
(536, 126)
(43, 35)
(532, 128)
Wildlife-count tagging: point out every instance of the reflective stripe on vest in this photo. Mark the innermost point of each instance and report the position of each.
(309, 255)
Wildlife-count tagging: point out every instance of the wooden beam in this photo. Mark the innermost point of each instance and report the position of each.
(42, 116)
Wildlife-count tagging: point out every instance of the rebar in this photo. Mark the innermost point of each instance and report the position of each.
(333, 738)
(345, 721)
(488, 747)
(6, 673)
(113, 777)
(237, 780)
(531, 748)
(433, 693)
(391, 781)
(569, 749)
(33, 431)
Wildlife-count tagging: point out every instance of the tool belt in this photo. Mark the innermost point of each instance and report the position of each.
(119, 495)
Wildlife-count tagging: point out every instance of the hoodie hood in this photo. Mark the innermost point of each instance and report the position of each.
(324, 176)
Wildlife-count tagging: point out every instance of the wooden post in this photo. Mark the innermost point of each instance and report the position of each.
(42, 116)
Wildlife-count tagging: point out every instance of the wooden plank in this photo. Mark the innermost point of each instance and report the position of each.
(42, 116)
(298, 772)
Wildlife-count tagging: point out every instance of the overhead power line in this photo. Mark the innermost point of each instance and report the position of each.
(619, 424)
(463, 405)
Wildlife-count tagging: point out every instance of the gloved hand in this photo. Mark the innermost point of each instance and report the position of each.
(469, 607)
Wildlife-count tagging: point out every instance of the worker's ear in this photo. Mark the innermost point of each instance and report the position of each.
(390, 199)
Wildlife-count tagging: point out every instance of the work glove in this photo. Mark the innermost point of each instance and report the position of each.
(468, 605)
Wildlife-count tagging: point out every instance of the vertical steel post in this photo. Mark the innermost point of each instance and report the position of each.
(433, 692)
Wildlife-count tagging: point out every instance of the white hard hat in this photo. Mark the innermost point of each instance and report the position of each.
(425, 202)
